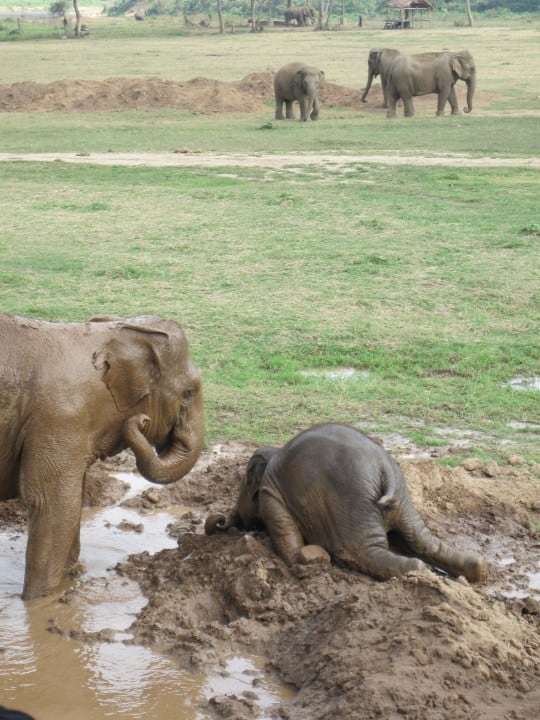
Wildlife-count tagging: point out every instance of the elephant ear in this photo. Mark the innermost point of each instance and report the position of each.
(130, 361)
(256, 469)
(457, 67)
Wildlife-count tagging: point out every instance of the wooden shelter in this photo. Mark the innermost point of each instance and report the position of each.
(404, 14)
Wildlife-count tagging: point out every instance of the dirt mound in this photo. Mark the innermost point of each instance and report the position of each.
(199, 95)
(422, 647)
(419, 647)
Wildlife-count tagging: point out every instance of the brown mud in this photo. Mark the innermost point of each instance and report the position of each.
(199, 95)
(420, 647)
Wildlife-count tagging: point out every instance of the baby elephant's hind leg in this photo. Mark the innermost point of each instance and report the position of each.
(374, 558)
(436, 552)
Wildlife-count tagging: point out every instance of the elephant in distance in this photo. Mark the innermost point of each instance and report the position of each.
(410, 76)
(297, 82)
(303, 15)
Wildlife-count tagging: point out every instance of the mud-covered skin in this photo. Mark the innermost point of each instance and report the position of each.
(333, 487)
(74, 392)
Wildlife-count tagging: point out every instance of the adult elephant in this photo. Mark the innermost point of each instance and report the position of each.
(72, 393)
(379, 61)
(297, 82)
(303, 15)
(341, 493)
(410, 76)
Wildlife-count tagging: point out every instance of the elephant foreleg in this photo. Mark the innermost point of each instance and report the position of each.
(289, 111)
(53, 498)
(315, 112)
(282, 528)
(452, 99)
(436, 552)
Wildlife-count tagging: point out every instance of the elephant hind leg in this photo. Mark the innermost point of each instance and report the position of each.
(289, 111)
(436, 552)
(379, 562)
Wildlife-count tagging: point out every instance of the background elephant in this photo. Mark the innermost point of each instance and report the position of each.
(379, 61)
(409, 76)
(335, 488)
(72, 393)
(303, 15)
(297, 81)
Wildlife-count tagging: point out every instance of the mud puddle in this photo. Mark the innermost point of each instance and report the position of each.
(72, 656)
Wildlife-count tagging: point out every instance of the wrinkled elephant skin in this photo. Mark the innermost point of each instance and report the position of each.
(335, 488)
(297, 82)
(72, 393)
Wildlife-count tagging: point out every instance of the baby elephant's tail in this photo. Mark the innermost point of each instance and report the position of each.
(389, 484)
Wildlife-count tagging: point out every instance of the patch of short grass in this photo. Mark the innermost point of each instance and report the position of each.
(409, 278)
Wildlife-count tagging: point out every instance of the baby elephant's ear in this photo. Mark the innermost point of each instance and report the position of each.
(256, 469)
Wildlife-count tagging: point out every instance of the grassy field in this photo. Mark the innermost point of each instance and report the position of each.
(423, 280)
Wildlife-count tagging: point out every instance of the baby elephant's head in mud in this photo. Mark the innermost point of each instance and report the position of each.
(333, 491)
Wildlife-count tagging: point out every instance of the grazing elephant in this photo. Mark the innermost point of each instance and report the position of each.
(303, 15)
(420, 75)
(297, 81)
(72, 393)
(338, 491)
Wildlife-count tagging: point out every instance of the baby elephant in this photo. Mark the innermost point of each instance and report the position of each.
(297, 81)
(334, 488)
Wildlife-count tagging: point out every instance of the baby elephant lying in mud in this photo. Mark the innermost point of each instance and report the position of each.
(338, 491)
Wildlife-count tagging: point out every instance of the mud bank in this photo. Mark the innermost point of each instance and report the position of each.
(423, 646)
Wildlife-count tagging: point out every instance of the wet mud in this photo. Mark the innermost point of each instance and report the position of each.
(225, 630)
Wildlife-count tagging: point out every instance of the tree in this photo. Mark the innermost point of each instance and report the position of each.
(220, 17)
(77, 19)
(469, 13)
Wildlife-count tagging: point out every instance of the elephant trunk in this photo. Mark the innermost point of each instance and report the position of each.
(182, 452)
(219, 523)
(368, 86)
(470, 93)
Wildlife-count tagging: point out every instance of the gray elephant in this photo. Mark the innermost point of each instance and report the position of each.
(379, 61)
(72, 393)
(303, 15)
(297, 81)
(338, 491)
(410, 76)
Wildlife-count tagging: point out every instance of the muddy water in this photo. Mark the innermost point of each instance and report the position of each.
(54, 676)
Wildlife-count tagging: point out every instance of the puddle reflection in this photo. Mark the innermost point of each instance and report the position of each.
(54, 677)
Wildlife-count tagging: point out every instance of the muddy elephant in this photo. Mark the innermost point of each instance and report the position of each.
(303, 15)
(297, 81)
(72, 393)
(410, 76)
(331, 489)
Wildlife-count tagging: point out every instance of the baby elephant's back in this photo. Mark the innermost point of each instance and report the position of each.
(330, 477)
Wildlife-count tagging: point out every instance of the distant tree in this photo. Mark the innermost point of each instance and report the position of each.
(57, 9)
(77, 19)
(469, 13)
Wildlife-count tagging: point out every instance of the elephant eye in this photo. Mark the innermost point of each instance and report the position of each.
(187, 395)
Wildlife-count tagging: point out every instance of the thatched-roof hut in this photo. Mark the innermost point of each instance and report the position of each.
(403, 14)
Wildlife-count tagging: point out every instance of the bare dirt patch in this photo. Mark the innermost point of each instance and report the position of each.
(419, 647)
(199, 95)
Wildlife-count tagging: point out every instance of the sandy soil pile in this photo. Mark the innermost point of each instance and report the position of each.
(199, 95)
(419, 647)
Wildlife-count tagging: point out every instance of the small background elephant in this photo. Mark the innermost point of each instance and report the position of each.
(303, 15)
(333, 490)
(413, 75)
(72, 393)
(300, 82)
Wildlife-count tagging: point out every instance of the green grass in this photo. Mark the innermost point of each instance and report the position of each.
(424, 280)
(273, 273)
